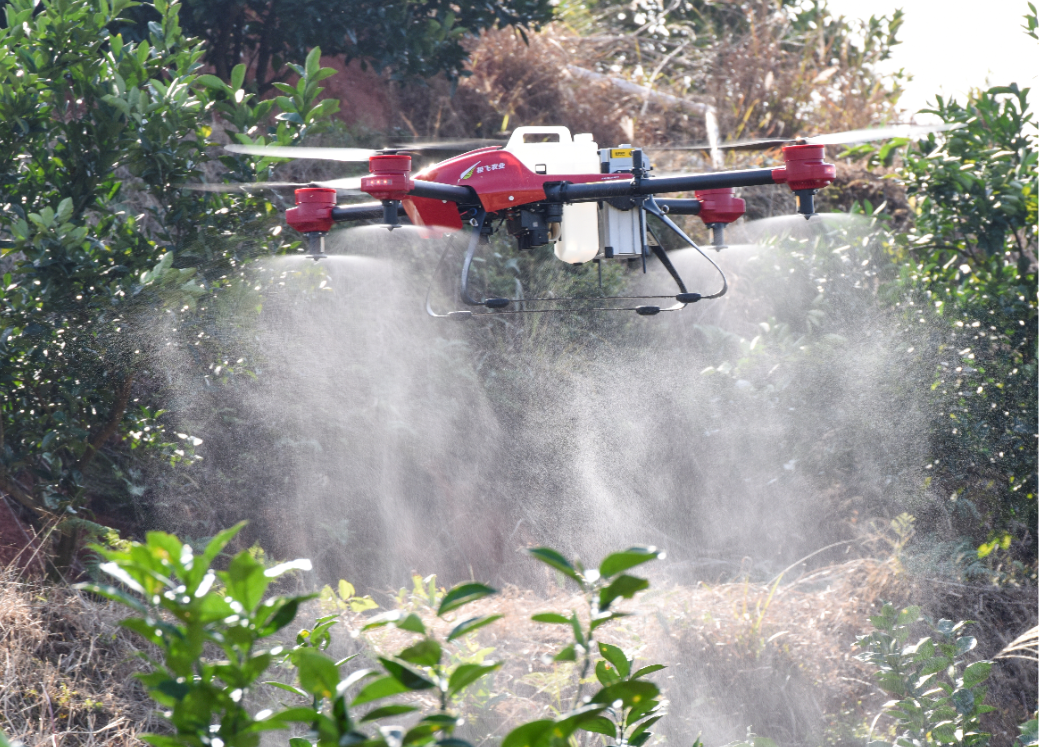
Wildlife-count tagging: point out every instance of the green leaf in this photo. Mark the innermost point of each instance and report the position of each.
(935, 664)
(211, 81)
(908, 616)
(555, 560)
(550, 617)
(422, 733)
(531, 734)
(298, 715)
(976, 673)
(648, 670)
(567, 654)
(643, 727)
(426, 652)
(1029, 733)
(237, 76)
(245, 580)
(216, 545)
(466, 674)
(623, 586)
(412, 623)
(965, 644)
(630, 692)
(603, 618)
(287, 688)
(158, 740)
(605, 673)
(575, 625)
(380, 688)
(313, 63)
(443, 720)
(572, 721)
(396, 709)
(616, 657)
(622, 561)
(116, 595)
(382, 619)
(470, 625)
(640, 740)
(462, 595)
(407, 676)
(600, 725)
(353, 678)
(254, 666)
(299, 742)
(284, 614)
(944, 733)
(318, 674)
(963, 700)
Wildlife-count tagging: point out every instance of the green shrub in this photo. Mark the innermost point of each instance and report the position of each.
(99, 240)
(190, 611)
(966, 293)
(971, 272)
(938, 698)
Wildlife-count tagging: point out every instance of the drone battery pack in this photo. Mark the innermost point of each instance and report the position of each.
(622, 233)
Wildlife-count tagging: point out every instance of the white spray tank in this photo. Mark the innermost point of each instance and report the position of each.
(578, 240)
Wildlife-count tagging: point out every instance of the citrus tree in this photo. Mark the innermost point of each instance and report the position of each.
(973, 269)
(97, 137)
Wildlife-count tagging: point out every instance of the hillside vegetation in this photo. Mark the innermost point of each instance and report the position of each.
(854, 424)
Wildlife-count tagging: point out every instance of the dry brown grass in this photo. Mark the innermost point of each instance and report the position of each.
(761, 84)
(67, 669)
(778, 658)
(775, 657)
(513, 84)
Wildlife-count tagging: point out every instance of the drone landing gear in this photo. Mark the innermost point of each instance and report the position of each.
(497, 306)
(479, 233)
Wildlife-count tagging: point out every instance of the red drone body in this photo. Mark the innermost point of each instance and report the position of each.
(591, 204)
(547, 187)
(501, 182)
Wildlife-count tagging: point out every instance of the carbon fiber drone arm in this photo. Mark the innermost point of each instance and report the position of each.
(591, 191)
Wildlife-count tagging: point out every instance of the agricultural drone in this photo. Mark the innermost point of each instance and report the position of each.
(548, 187)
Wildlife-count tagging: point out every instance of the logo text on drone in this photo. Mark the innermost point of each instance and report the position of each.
(476, 168)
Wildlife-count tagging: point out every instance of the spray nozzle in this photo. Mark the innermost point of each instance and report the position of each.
(717, 235)
(806, 202)
(390, 213)
(316, 245)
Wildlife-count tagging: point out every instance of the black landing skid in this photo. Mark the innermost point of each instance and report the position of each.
(498, 306)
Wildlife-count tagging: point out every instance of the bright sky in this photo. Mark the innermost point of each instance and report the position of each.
(951, 46)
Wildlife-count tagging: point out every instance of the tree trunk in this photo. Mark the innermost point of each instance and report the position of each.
(122, 399)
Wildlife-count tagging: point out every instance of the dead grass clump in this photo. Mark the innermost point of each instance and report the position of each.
(776, 658)
(764, 76)
(511, 84)
(67, 676)
(775, 81)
